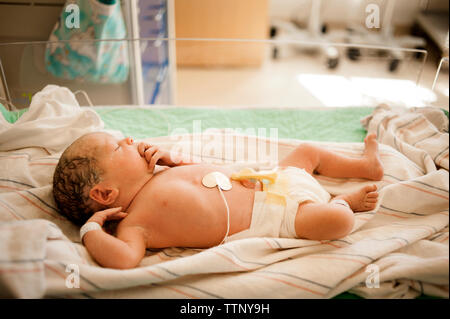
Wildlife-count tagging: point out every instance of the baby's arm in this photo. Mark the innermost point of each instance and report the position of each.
(125, 251)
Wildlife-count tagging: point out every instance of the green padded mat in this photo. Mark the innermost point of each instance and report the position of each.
(11, 117)
(336, 125)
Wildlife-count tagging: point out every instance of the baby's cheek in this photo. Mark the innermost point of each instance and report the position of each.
(131, 165)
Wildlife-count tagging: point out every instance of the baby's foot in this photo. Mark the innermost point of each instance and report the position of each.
(362, 200)
(375, 169)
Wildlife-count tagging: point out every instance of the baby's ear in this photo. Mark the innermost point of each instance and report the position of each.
(103, 194)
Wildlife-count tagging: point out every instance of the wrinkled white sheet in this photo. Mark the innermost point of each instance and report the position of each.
(403, 243)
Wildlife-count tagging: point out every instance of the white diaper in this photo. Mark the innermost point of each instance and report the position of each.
(275, 217)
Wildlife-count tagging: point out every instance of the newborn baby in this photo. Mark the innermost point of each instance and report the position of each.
(99, 178)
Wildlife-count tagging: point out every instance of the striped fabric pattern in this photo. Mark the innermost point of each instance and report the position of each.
(405, 239)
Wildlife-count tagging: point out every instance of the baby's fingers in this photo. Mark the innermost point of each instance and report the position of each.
(142, 147)
(149, 153)
(111, 211)
(101, 216)
(155, 158)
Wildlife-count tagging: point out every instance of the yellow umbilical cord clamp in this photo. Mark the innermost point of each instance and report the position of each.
(275, 185)
(251, 174)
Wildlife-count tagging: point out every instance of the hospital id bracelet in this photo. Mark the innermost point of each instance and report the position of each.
(88, 227)
(341, 202)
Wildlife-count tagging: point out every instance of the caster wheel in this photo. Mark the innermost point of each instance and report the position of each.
(332, 63)
(353, 54)
(393, 65)
(275, 53)
(273, 32)
(419, 55)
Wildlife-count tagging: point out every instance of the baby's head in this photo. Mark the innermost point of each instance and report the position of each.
(92, 172)
(78, 170)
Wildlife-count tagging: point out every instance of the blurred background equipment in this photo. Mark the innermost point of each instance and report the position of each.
(153, 23)
(315, 33)
(384, 35)
(351, 31)
(432, 24)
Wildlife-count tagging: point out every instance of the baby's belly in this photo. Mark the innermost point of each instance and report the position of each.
(177, 210)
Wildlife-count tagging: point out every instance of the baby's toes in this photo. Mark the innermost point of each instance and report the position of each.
(369, 205)
(370, 189)
(372, 195)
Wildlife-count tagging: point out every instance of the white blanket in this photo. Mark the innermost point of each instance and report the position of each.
(399, 250)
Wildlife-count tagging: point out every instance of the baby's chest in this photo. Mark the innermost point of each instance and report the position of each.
(184, 218)
(175, 205)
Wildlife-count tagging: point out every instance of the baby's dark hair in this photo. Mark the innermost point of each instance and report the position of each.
(74, 177)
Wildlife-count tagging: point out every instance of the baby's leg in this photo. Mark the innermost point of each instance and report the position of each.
(332, 220)
(323, 221)
(318, 160)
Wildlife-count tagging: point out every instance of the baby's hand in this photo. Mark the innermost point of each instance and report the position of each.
(102, 216)
(153, 155)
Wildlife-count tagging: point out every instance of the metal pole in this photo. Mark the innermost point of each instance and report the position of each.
(437, 72)
(387, 19)
(314, 19)
(5, 86)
